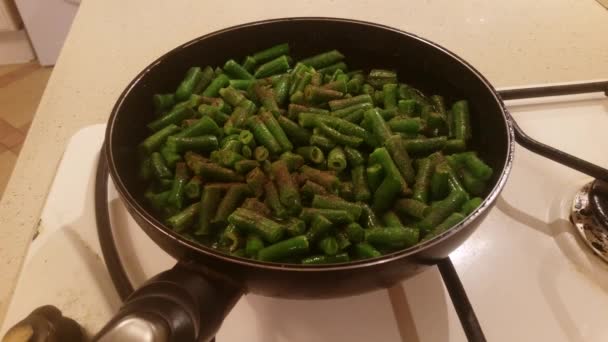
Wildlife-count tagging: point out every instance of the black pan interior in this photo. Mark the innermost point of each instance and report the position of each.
(420, 63)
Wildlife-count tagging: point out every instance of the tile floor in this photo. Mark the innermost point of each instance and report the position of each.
(21, 87)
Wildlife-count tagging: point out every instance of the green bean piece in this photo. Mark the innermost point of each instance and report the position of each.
(203, 143)
(176, 196)
(357, 108)
(379, 77)
(408, 107)
(319, 227)
(207, 76)
(159, 168)
(231, 143)
(263, 135)
(322, 142)
(334, 202)
(214, 113)
(300, 81)
(227, 157)
(441, 211)
(392, 237)
(276, 66)
(253, 245)
(192, 189)
(213, 89)
(472, 184)
(293, 161)
(261, 153)
(277, 132)
(338, 137)
(174, 117)
(256, 205)
(241, 84)
(294, 109)
(315, 95)
(375, 175)
(323, 59)
(397, 150)
(231, 239)
(311, 153)
(326, 259)
(271, 53)
(288, 191)
(380, 129)
(325, 178)
(440, 181)
(157, 200)
(297, 134)
(469, 206)
(247, 139)
(273, 200)
(411, 207)
(389, 95)
(330, 69)
(256, 180)
(353, 156)
(454, 182)
(266, 96)
(476, 166)
(186, 87)
(281, 89)
(310, 189)
(360, 186)
(231, 96)
(233, 198)
(354, 232)
(163, 101)
(343, 241)
(355, 83)
(336, 105)
(347, 191)
(392, 184)
(336, 216)
(317, 79)
(454, 145)
(367, 89)
(213, 172)
(236, 71)
(154, 141)
(338, 85)
(245, 165)
(210, 200)
(309, 120)
(293, 247)
(425, 145)
(438, 103)
(295, 226)
(249, 63)
(405, 125)
(422, 183)
(182, 220)
(368, 217)
(448, 223)
(202, 126)
(336, 159)
(328, 245)
(364, 250)
(391, 219)
(461, 120)
(250, 222)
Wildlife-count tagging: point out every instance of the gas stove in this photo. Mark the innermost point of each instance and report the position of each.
(527, 272)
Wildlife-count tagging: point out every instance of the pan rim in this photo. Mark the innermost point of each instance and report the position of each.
(199, 248)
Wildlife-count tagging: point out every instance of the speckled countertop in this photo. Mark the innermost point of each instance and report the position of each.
(513, 43)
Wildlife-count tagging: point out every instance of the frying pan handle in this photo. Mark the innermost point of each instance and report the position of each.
(545, 150)
(176, 305)
(556, 155)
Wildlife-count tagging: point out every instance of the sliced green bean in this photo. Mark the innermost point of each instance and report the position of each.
(392, 237)
(379, 77)
(293, 161)
(461, 120)
(334, 215)
(323, 59)
(364, 250)
(271, 53)
(293, 247)
(276, 66)
(213, 89)
(469, 206)
(253, 245)
(391, 219)
(326, 179)
(250, 222)
(236, 71)
(186, 87)
(441, 211)
(375, 175)
(333, 202)
(273, 200)
(159, 167)
(182, 220)
(174, 117)
(328, 245)
(448, 223)
(277, 132)
(155, 141)
(256, 180)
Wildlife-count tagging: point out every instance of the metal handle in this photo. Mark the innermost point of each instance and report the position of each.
(176, 305)
(547, 151)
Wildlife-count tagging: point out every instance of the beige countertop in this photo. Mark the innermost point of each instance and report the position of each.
(513, 43)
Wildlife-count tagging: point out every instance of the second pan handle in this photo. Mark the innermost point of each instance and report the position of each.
(547, 151)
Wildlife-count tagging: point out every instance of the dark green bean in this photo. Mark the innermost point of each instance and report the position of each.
(336, 159)
(250, 222)
(336, 105)
(245, 165)
(408, 107)
(233, 198)
(364, 250)
(253, 245)
(323, 59)
(334, 202)
(322, 142)
(319, 227)
(254, 204)
(159, 168)
(213, 172)
(186, 87)
(288, 191)
(396, 148)
(389, 92)
(310, 189)
(360, 187)
(281, 89)
(261, 153)
(295, 226)
(391, 219)
(213, 89)
(379, 77)
(174, 117)
(328, 245)
(154, 142)
(448, 223)
(236, 71)
(293, 247)
(214, 113)
(231, 96)
(425, 145)
(332, 68)
(192, 190)
(276, 66)
(184, 218)
(157, 200)
(256, 180)
(469, 206)
(392, 237)
(354, 232)
(176, 196)
(231, 239)
(441, 211)
(314, 94)
(422, 183)
(375, 175)
(209, 203)
(273, 200)
(334, 215)
(163, 101)
(293, 161)
(263, 136)
(380, 129)
(461, 120)
(405, 125)
(326, 179)
(241, 84)
(271, 53)
(277, 132)
(411, 207)
(203, 143)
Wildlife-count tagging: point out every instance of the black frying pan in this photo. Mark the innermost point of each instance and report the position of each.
(189, 302)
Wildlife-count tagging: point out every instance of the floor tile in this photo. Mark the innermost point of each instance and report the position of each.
(7, 162)
(19, 100)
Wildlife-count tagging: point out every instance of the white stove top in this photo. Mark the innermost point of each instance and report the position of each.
(527, 274)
